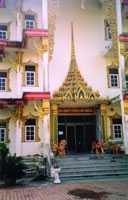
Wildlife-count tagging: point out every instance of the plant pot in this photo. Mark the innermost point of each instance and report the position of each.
(56, 175)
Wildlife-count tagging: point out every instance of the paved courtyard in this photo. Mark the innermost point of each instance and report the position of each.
(86, 190)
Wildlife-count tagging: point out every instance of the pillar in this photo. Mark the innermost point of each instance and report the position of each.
(98, 124)
(125, 125)
(54, 125)
(18, 138)
(45, 14)
(46, 122)
(19, 26)
(19, 56)
(103, 108)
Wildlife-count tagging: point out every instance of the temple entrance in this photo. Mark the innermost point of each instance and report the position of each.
(79, 132)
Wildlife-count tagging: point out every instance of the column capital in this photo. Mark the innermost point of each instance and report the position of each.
(46, 106)
(126, 106)
(103, 108)
(54, 108)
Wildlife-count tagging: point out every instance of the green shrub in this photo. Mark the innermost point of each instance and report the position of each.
(14, 169)
(4, 151)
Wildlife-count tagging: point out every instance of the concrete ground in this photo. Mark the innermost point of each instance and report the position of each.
(111, 189)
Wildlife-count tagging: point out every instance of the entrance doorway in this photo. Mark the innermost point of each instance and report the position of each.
(78, 131)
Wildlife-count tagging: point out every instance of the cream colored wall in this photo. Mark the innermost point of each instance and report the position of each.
(89, 44)
(6, 16)
(12, 136)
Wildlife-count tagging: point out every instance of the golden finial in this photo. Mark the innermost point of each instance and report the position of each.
(73, 57)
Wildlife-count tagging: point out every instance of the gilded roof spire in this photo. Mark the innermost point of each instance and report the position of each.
(73, 57)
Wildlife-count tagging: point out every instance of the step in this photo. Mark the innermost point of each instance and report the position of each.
(94, 174)
(75, 169)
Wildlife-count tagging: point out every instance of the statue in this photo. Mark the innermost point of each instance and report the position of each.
(116, 148)
(61, 148)
(96, 145)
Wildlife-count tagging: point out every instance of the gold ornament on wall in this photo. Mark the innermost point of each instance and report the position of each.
(17, 61)
(15, 114)
(111, 15)
(41, 49)
(52, 14)
(40, 111)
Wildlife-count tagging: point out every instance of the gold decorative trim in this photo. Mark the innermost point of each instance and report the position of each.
(52, 14)
(15, 114)
(41, 49)
(111, 15)
(126, 107)
(115, 116)
(8, 79)
(30, 12)
(30, 116)
(40, 111)
(7, 129)
(46, 106)
(103, 108)
(29, 63)
(17, 61)
(108, 75)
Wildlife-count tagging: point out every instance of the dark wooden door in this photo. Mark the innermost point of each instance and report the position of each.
(79, 138)
(71, 141)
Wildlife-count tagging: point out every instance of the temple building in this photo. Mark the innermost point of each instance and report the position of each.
(63, 74)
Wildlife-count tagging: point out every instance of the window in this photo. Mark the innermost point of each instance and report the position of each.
(126, 78)
(29, 21)
(2, 131)
(108, 35)
(117, 128)
(114, 82)
(30, 75)
(3, 32)
(30, 130)
(3, 80)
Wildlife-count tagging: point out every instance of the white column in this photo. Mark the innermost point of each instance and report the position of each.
(19, 26)
(122, 69)
(46, 71)
(46, 129)
(18, 138)
(19, 82)
(45, 56)
(45, 14)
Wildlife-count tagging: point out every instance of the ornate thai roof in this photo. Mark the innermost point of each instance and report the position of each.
(74, 87)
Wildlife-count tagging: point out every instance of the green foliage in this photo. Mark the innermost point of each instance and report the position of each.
(11, 167)
(14, 167)
(4, 150)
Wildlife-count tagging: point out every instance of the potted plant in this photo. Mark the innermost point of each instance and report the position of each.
(14, 169)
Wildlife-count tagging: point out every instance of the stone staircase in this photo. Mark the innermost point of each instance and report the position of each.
(33, 163)
(93, 166)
